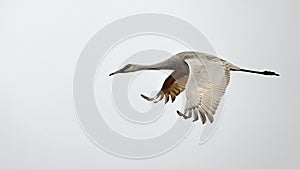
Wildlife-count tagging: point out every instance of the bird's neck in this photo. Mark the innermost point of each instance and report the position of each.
(165, 65)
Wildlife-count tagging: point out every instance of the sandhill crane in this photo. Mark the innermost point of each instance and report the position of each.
(204, 78)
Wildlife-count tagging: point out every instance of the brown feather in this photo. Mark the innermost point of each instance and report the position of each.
(172, 86)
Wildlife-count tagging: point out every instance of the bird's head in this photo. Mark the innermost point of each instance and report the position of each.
(126, 69)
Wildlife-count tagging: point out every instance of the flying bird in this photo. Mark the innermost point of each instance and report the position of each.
(203, 76)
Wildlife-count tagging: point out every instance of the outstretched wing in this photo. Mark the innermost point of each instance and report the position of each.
(207, 82)
(172, 86)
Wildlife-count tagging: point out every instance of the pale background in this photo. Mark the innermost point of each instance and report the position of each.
(41, 42)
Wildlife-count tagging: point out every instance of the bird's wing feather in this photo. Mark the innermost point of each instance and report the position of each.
(205, 87)
(172, 86)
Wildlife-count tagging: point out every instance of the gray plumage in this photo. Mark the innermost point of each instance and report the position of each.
(204, 77)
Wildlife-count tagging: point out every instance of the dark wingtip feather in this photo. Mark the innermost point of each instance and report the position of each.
(145, 97)
(179, 113)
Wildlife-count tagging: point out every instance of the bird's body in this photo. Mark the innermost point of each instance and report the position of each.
(204, 78)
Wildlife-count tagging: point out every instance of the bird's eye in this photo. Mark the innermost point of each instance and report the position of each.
(127, 66)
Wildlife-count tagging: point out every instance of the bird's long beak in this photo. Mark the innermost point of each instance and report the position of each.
(119, 71)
